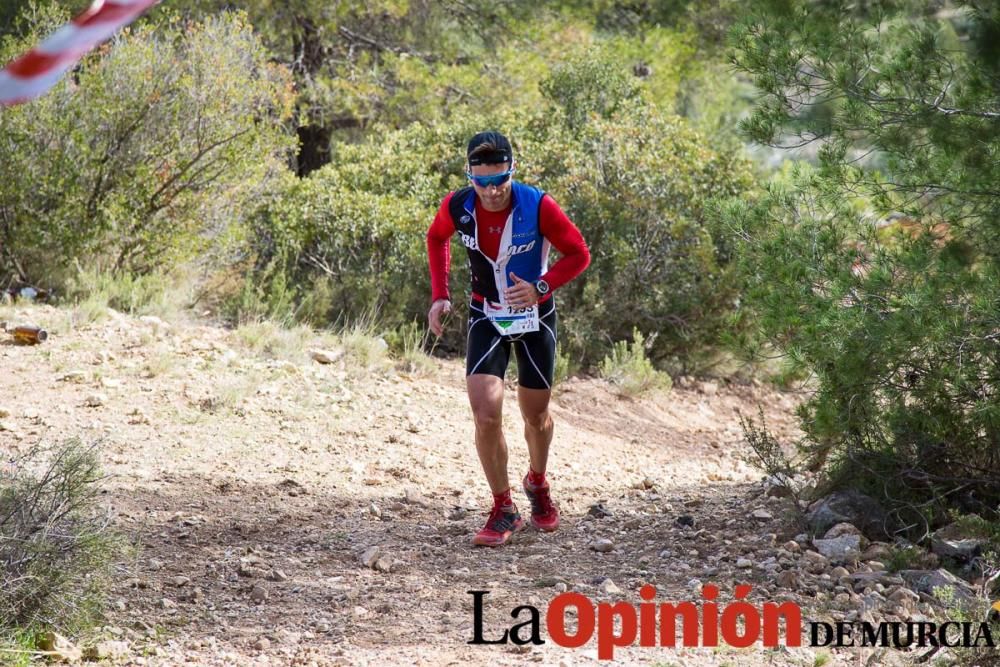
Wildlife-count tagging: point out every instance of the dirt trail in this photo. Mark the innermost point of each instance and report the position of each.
(254, 485)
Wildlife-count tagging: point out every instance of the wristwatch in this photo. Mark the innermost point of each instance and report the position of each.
(542, 287)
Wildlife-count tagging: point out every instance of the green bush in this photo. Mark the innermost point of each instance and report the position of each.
(898, 330)
(877, 272)
(588, 88)
(146, 155)
(365, 251)
(565, 368)
(638, 184)
(161, 293)
(56, 551)
(629, 370)
(408, 345)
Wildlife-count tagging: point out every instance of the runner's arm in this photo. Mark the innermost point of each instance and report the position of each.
(564, 236)
(439, 250)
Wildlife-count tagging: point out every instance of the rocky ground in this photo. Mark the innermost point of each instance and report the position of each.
(293, 512)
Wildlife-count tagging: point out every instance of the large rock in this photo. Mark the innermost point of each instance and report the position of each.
(879, 551)
(843, 548)
(370, 556)
(843, 529)
(933, 581)
(851, 507)
(954, 542)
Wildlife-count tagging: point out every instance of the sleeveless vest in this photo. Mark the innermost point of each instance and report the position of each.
(523, 249)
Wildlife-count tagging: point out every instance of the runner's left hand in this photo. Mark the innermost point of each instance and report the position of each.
(522, 294)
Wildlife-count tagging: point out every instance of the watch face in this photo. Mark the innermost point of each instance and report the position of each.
(542, 287)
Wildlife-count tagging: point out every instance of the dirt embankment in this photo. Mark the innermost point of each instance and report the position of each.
(256, 489)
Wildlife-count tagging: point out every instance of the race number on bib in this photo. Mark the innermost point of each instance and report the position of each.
(509, 320)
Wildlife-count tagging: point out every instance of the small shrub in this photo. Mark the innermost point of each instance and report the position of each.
(369, 351)
(565, 368)
(821, 659)
(56, 551)
(407, 343)
(273, 340)
(629, 369)
(767, 453)
(161, 293)
(89, 310)
(266, 295)
(903, 558)
(974, 525)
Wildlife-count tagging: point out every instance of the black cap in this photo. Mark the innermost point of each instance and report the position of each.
(502, 151)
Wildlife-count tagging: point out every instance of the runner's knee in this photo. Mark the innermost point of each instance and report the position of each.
(487, 418)
(538, 421)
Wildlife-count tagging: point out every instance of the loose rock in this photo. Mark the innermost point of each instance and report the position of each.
(259, 594)
(60, 648)
(839, 548)
(107, 650)
(326, 356)
(789, 579)
(95, 400)
(599, 511)
(840, 530)
(369, 557)
(602, 545)
(608, 587)
(850, 507)
(953, 541)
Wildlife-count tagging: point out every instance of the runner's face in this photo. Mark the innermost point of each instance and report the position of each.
(493, 197)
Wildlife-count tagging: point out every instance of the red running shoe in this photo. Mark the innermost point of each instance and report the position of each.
(544, 513)
(503, 523)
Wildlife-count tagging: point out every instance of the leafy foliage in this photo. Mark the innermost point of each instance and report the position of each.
(360, 65)
(877, 271)
(144, 156)
(637, 184)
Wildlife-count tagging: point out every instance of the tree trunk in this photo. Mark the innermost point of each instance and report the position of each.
(314, 138)
(314, 148)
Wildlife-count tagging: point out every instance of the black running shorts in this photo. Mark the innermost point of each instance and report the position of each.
(488, 351)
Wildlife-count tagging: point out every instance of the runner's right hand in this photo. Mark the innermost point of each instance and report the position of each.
(439, 307)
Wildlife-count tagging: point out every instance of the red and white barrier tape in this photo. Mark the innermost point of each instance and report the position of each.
(40, 68)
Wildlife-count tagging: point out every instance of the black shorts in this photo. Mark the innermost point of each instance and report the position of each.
(488, 351)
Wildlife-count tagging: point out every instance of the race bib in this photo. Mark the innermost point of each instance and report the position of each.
(509, 320)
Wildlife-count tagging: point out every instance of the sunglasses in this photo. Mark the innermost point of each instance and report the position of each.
(495, 179)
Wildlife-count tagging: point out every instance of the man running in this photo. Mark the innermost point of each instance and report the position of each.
(507, 228)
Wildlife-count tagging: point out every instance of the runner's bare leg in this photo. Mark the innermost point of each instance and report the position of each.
(486, 399)
(538, 427)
